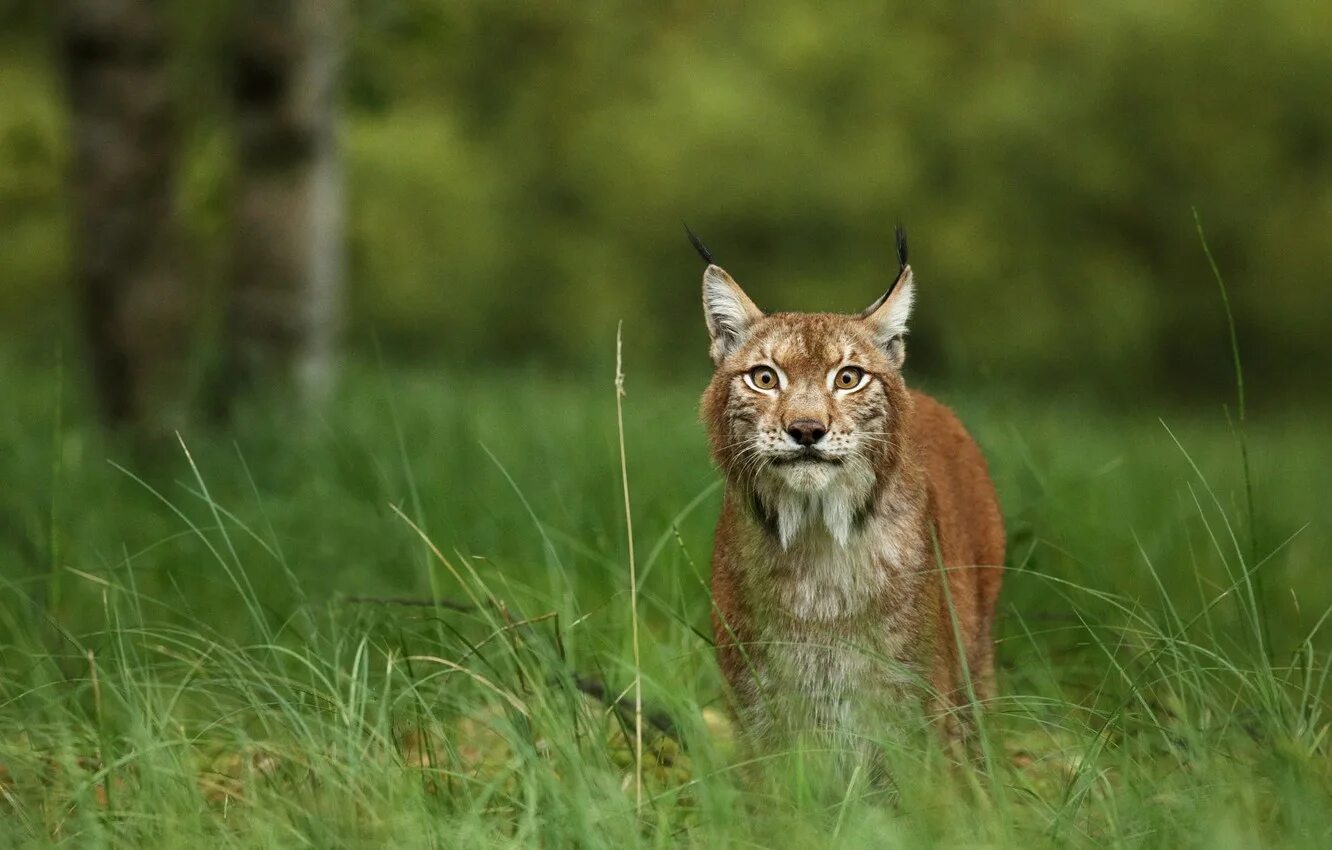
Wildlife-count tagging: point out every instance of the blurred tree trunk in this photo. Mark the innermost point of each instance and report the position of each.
(134, 304)
(288, 254)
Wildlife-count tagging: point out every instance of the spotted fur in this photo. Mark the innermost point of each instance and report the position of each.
(840, 568)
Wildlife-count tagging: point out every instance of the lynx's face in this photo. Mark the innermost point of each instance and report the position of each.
(805, 400)
(803, 408)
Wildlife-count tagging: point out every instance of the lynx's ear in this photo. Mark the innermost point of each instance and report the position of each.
(729, 312)
(887, 317)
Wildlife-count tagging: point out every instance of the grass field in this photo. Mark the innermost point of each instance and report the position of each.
(183, 661)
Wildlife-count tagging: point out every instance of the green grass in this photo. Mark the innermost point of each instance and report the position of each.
(180, 662)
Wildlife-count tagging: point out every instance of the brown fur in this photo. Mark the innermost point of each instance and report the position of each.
(964, 511)
(821, 626)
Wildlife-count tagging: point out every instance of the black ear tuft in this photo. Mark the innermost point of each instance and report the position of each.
(901, 270)
(901, 249)
(699, 246)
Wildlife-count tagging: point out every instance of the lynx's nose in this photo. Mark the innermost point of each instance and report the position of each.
(806, 432)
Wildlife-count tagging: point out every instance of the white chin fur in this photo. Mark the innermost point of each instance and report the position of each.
(817, 497)
(807, 477)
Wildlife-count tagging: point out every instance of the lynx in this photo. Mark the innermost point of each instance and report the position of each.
(859, 551)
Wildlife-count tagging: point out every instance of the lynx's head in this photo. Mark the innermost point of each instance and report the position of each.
(805, 410)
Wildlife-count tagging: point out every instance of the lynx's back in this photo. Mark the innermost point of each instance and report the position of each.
(964, 510)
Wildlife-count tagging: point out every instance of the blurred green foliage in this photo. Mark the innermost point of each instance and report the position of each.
(518, 173)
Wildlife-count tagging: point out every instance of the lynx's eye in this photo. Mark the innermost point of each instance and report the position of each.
(849, 377)
(762, 378)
